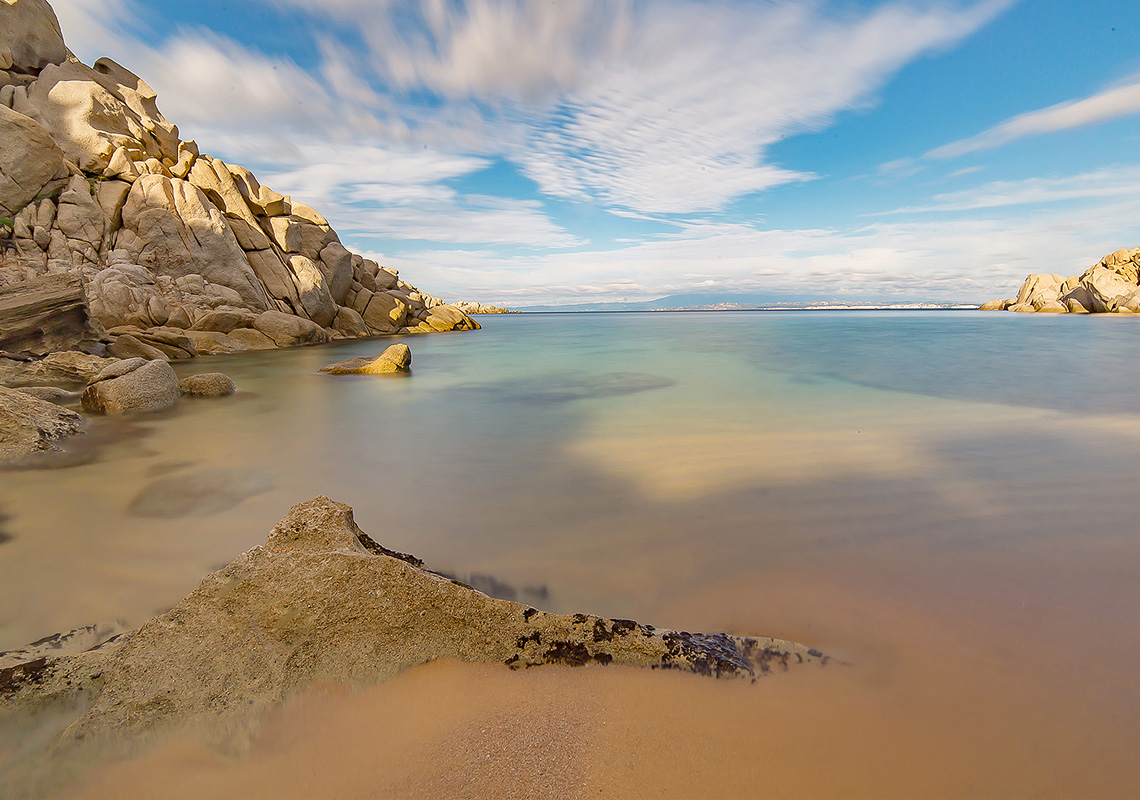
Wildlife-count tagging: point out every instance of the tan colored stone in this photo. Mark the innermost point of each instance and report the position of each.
(151, 387)
(287, 330)
(210, 343)
(29, 160)
(386, 313)
(253, 339)
(286, 234)
(350, 323)
(30, 36)
(207, 384)
(312, 291)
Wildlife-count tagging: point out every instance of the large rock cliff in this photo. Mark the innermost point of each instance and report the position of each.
(97, 184)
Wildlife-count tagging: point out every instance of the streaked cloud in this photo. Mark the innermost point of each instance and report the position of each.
(1112, 103)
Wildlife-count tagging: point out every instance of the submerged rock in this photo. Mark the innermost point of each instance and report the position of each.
(397, 358)
(207, 384)
(322, 601)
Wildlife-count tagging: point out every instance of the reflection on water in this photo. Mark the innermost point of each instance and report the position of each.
(198, 494)
(946, 499)
(562, 387)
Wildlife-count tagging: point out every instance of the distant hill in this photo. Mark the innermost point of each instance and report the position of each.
(697, 301)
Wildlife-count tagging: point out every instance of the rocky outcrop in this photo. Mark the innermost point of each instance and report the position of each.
(1110, 285)
(95, 183)
(397, 358)
(30, 425)
(322, 601)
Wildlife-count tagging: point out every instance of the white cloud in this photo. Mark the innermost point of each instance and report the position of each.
(959, 260)
(1109, 104)
(662, 108)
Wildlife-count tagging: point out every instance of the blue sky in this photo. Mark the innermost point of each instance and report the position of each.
(536, 152)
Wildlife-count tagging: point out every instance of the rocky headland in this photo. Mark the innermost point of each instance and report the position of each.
(1112, 285)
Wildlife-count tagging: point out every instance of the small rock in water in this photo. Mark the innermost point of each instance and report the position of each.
(151, 387)
(207, 384)
(396, 358)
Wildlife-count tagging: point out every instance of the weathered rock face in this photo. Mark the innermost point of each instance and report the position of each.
(29, 424)
(1110, 285)
(66, 368)
(170, 227)
(99, 185)
(45, 314)
(321, 601)
(30, 161)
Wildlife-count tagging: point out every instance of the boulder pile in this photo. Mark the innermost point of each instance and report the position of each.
(168, 243)
(1112, 285)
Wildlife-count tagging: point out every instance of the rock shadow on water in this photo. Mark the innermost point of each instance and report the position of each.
(567, 385)
(200, 494)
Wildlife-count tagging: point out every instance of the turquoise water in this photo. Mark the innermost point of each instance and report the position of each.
(606, 462)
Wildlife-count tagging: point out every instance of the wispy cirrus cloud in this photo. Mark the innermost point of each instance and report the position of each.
(1108, 104)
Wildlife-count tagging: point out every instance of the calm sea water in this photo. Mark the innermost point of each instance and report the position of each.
(602, 462)
(945, 499)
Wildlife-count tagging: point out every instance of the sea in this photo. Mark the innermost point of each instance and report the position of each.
(944, 501)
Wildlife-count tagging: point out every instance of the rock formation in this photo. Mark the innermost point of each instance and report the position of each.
(470, 307)
(319, 602)
(1110, 285)
(96, 184)
(45, 314)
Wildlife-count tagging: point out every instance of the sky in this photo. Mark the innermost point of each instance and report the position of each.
(537, 152)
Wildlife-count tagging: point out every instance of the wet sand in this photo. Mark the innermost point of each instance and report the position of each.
(969, 678)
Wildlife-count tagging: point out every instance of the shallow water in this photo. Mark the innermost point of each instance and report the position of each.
(945, 499)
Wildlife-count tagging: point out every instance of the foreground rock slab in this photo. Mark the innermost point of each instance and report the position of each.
(319, 602)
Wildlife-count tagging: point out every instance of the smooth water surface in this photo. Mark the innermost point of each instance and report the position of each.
(925, 494)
